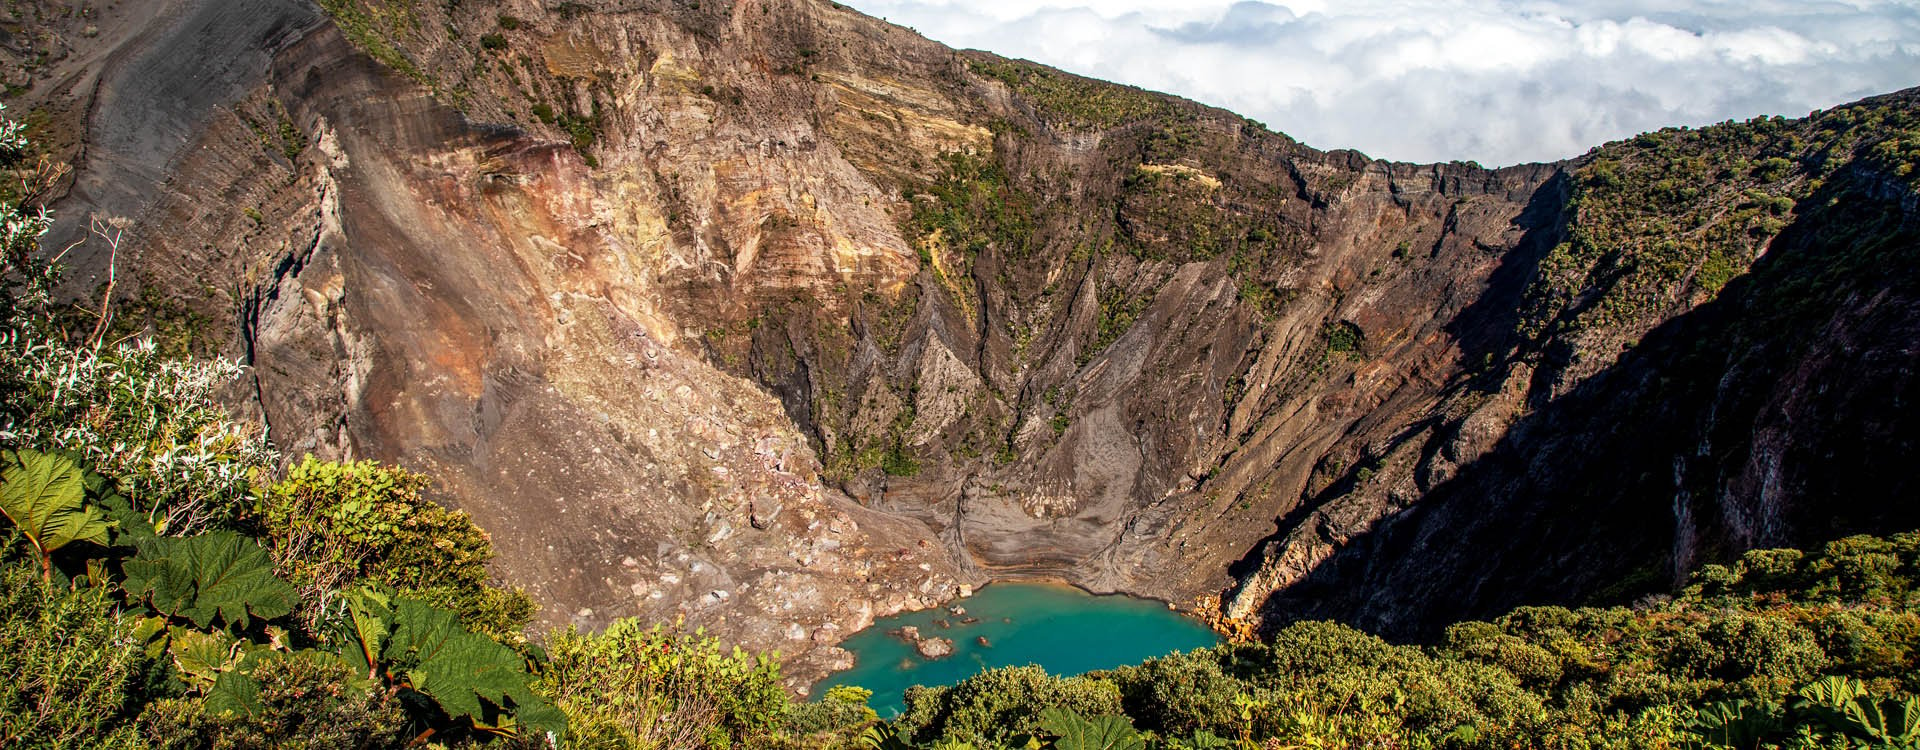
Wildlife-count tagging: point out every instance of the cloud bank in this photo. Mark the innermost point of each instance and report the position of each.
(1495, 81)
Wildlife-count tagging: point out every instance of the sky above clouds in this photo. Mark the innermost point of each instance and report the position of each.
(1495, 81)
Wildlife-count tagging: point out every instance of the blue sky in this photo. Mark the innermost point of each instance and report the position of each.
(1494, 81)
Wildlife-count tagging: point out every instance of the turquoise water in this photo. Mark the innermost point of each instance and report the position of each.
(1061, 628)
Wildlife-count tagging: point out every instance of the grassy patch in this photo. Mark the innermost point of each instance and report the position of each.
(1075, 102)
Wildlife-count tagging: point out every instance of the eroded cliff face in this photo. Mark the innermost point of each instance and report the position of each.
(776, 317)
(479, 304)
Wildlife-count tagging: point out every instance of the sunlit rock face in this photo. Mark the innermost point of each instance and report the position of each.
(779, 318)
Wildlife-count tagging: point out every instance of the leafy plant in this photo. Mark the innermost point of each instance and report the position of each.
(1000, 705)
(294, 701)
(412, 647)
(1737, 724)
(45, 496)
(151, 423)
(221, 576)
(886, 737)
(72, 663)
(838, 719)
(24, 282)
(1099, 733)
(637, 685)
(331, 525)
(1848, 707)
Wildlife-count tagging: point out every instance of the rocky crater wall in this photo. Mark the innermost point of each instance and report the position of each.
(779, 318)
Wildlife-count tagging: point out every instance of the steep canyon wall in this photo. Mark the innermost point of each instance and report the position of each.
(777, 317)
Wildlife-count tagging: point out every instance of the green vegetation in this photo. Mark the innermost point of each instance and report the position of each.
(377, 28)
(898, 461)
(277, 132)
(888, 450)
(1664, 218)
(582, 130)
(72, 661)
(174, 326)
(637, 686)
(1118, 312)
(973, 206)
(216, 577)
(1344, 340)
(45, 496)
(1780, 649)
(1075, 102)
(1264, 297)
(1183, 215)
(292, 141)
(329, 524)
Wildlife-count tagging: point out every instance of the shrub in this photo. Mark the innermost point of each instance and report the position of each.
(306, 701)
(24, 282)
(152, 423)
(1739, 646)
(1181, 694)
(1870, 644)
(1482, 642)
(997, 705)
(333, 524)
(71, 662)
(1771, 169)
(1327, 670)
(635, 686)
(836, 720)
(1866, 568)
(1344, 339)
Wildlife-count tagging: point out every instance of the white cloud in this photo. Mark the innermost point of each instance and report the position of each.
(1497, 81)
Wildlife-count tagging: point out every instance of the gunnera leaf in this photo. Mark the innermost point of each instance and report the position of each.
(219, 576)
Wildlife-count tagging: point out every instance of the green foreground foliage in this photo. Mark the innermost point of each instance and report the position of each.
(1781, 649)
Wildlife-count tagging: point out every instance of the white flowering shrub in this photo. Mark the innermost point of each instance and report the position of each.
(152, 423)
(23, 283)
(13, 137)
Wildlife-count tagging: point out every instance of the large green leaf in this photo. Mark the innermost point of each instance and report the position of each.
(364, 628)
(1736, 724)
(535, 719)
(200, 657)
(884, 737)
(234, 692)
(1098, 733)
(1846, 705)
(1833, 692)
(454, 667)
(217, 576)
(1903, 721)
(888, 737)
(469, 676)
(130, 526)
(45, 495)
